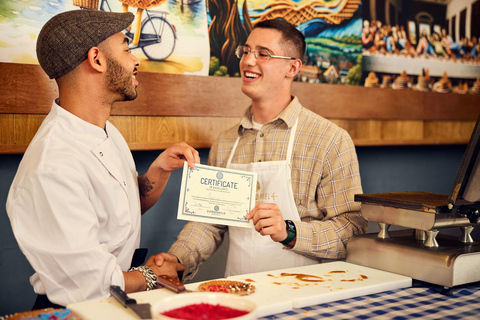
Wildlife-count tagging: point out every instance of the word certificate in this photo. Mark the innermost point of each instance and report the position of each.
(217, 195)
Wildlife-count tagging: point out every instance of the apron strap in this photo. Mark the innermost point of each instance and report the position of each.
(232, 152)
(291, 142)
(289, 149)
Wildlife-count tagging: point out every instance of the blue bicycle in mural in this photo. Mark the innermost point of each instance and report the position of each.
(157, 37)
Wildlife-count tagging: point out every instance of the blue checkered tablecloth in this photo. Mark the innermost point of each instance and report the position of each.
(421, 301)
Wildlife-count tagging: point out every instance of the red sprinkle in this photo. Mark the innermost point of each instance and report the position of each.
(217, 288)
(204, 311)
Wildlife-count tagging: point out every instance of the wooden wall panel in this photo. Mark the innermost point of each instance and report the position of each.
(357, 102)
(156, 133)
(127, 126)
(7, 130)
(197, 131)
(195, 109)
(25, 89)
(390, 132)
(361, 129)
(449, 130)
(206, 130)
(25, 127)
(200, 96)
(451, 106)
(402, 130)
(181, 95)
(158, 129)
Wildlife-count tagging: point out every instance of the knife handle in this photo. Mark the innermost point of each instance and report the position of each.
(121, 296)
(170, 283)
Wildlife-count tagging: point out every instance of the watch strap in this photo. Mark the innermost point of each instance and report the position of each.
(291, 233)
(291, 236)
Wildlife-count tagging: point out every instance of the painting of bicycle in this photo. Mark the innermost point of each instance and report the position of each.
(167, 36)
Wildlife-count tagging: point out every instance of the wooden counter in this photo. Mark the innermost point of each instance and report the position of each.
(195, 109)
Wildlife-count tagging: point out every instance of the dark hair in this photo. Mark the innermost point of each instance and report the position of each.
(291, 35)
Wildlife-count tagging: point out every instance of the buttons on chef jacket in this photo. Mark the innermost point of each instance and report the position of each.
(262, 135)
(124, 183)
(101, 154)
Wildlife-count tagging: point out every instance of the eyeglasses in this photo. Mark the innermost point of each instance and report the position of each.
(262, 54)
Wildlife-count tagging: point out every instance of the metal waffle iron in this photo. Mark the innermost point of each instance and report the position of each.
(418, 249)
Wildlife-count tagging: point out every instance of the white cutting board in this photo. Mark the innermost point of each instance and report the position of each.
(111, 309)
(274, 293)
(340, 280)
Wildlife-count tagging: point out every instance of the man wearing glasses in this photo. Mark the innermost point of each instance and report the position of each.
(306, 166)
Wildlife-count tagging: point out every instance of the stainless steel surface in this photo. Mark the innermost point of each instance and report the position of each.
(466, 234)
(472, 189)
(412, 219)
(143, 310)
(384, 231)
(421, 252)
(420, 235)
(431, 240)
(450, 264)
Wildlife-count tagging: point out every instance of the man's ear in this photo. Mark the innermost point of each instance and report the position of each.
(96, 59)
(295, 66)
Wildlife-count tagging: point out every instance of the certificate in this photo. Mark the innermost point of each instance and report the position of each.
(217, 195)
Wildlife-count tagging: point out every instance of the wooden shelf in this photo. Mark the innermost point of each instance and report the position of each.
(196, 109)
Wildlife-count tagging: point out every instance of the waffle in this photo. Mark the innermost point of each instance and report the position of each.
(227, 286)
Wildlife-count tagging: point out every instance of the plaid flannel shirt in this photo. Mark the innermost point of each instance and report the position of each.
(325, 178)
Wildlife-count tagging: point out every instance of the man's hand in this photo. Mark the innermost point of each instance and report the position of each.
(174, 157)
(152, 183)
(268, 220)
(135, 281)
(160, 258)
(168, 267)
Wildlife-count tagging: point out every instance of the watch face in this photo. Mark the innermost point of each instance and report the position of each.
(290, 226)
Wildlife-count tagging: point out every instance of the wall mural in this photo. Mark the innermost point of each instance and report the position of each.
(419, 49)
(332, 29)
(200, 36)
(180, 24)
(346, 42)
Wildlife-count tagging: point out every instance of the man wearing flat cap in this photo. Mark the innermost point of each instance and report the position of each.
(76, 201)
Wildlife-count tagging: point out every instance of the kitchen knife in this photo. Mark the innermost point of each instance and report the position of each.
(142, 310)
(171, 284)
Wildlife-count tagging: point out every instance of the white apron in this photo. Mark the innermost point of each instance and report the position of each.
(249, 251)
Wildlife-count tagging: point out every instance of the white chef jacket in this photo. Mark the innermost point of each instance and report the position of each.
(74, 207)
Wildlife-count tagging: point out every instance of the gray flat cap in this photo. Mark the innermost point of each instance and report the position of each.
(65, 39)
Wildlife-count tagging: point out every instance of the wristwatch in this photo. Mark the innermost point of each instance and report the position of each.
(292, 232)
(150, 277)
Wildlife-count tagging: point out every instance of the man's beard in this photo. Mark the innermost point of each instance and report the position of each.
(119, 80)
